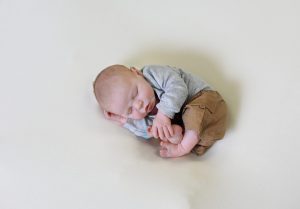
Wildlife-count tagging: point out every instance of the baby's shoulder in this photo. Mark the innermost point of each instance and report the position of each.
(156, 71)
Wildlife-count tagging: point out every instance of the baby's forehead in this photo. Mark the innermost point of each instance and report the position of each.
(118, 99)
(122, 82)
(112, 87)
(119, 87)
(107, 82)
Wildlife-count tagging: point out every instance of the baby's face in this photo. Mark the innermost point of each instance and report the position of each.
(133, 97)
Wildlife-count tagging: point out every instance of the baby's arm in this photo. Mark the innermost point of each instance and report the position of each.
(174, 93)
(190, 139)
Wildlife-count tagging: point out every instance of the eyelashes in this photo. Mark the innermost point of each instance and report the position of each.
(136, 93)
(133, 98)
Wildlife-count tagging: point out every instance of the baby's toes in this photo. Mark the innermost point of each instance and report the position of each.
(164, 144)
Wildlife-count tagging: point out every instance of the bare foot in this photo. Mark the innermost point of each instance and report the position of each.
(171, 150)
(190, 139)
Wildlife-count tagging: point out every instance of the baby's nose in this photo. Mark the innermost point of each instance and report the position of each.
(139, 104)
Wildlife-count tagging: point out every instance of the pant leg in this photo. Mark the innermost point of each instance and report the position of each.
(206, 114)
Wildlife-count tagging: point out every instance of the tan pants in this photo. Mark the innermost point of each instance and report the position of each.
(206, 114)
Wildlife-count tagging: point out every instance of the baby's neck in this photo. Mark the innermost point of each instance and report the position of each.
(154, 111)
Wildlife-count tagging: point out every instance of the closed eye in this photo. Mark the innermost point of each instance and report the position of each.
(136, 92)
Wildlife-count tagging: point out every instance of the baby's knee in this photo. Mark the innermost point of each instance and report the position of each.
(177, 129)
(177, 135)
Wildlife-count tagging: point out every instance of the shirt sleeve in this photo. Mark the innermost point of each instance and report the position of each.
(137, 132)
(139, 127)
(174, 90)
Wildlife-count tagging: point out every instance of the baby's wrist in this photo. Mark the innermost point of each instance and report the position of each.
(161, 114)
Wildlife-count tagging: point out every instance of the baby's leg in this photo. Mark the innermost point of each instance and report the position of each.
(190, 139)
(177, 137)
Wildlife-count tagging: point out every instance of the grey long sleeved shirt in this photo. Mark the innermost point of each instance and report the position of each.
(173, 87)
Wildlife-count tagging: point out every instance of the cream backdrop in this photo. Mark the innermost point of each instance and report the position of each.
(57, 152)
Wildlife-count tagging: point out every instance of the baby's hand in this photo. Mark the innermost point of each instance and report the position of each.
(161, 127)
(149, 132)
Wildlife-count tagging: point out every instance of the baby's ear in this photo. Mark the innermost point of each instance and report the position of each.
(120, 120)
(133, 69)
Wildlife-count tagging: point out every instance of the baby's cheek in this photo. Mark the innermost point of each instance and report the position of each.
(136, 116)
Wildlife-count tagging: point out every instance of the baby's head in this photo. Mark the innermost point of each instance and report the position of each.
(122, 91)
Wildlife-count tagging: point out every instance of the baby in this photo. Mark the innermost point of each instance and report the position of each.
(164, 102)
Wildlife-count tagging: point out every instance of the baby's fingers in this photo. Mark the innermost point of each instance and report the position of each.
(161, 133)
(166, 132)
(154, 132)
(170, 129)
